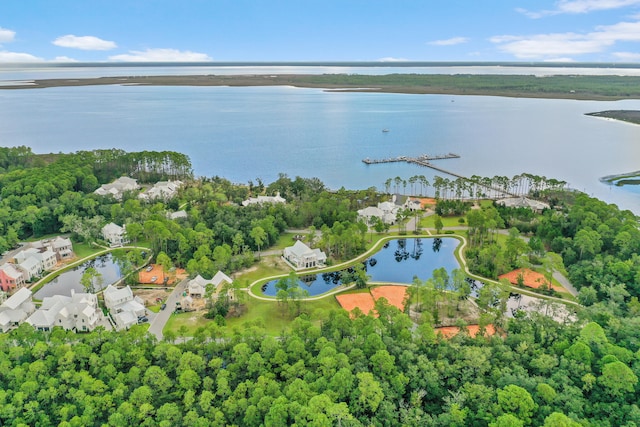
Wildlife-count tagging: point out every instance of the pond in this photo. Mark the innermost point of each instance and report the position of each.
(398, 261)
(65, 282)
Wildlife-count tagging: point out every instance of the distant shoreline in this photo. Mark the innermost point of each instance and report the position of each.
(601, 88)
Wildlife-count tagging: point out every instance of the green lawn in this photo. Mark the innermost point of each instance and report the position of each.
(271, 316)
(191, 321)
(448, 221)
(274, 318)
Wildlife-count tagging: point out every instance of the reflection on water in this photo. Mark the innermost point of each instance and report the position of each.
(64, 283)
(398, 261)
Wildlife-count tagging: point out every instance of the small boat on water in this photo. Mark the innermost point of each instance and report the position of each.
(385, 130)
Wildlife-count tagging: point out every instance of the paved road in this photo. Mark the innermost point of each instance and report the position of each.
(565, 283)
(160, 320)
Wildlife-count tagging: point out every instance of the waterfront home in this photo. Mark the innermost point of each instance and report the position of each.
(161, 190)
(125, 308)
(114, 234)
(30, 268)
(16, 309)
(11, 277)
(264, 199)
(301, 256)
(62, 247)
(80, 312)
(118, 187)
(34, 261)
(370, 212)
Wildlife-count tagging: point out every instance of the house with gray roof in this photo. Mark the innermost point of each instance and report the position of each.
(161, 190)
(124, 307)
(301, 256)
(16, 309)
(115, 235)
(197, 286)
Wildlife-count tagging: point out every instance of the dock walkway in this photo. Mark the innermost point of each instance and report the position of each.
(425, 160)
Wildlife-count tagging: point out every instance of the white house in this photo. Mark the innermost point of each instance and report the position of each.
(62, 247)
(300, 256)
(114, 234)
(164, 190)
(219, 281)
(118, 187)
(125, 308)
(264, 199)
(34, 261)
(16, 309)
(197, 286)
(79, 312)
(30, 268)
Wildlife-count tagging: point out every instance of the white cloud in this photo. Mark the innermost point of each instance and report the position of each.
(580, 6)
(559, 60)
(63, 59)
(6, 35)
(392, 59)
(449, 42)
(627, 56)
(84, 42)
(18, 57)
(161, 55)
(554, 45)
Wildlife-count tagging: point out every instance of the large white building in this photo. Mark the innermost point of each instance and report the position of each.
(80, 312)
(300, 256)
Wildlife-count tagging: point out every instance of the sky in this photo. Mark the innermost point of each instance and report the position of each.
(604, 31)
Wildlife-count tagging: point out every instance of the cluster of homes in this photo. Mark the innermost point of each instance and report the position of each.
(161, 190)
(32, 261)
(79, 312)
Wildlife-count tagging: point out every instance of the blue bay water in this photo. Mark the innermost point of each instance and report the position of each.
(257, 132)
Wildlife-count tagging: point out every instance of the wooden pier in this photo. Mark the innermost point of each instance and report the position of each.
(422, 160)
(425, 160)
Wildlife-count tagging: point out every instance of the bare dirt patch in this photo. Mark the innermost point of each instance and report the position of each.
(395, 295)
(364, 301)
(156, 276)
(531, 279)
(473, 330)
(150, 296)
